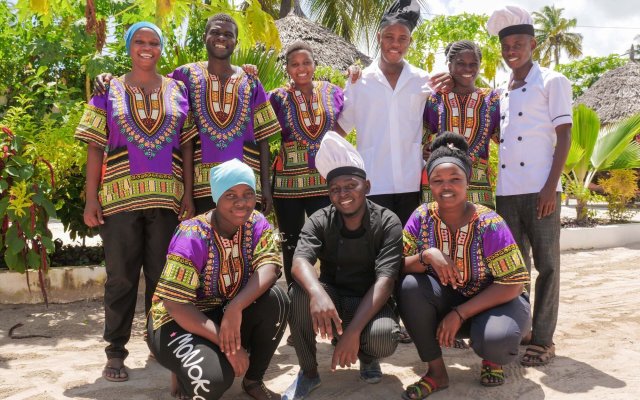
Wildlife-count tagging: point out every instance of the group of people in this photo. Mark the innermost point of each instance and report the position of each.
(168, 191)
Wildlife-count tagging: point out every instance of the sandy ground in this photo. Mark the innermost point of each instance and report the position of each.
(598, 339)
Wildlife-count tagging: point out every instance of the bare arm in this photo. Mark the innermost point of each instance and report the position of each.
(346, 352)
(322, 309)
(490, 297)
(261, 280)
(193, 320)
(93, 209)
(340, 131)
(547, 196)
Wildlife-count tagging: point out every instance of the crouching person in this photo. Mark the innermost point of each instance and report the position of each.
(217, 313)
(359, 245)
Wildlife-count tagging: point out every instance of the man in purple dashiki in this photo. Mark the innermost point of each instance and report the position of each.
(135, 180)
(298, 187)
(230, 109)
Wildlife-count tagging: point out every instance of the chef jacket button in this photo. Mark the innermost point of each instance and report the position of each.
(501, 140)
(520, 113)
(341, 241)
(506, 95)
(504, 166)
(502, 117)
(522, 164)
(520, 138)
(524, 89)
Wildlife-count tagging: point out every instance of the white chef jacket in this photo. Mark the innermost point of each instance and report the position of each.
(529, 116)
(388, 126)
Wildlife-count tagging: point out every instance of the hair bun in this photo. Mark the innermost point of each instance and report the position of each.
(451, 140)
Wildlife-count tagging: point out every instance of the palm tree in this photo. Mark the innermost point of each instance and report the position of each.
(553, 36)
(594, 149)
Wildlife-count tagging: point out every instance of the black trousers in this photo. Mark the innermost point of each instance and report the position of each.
(202, 369)
(402, 204)
(290, 214)
(132, 241)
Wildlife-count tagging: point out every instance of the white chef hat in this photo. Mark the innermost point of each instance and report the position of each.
(337, 156)
(510, 20)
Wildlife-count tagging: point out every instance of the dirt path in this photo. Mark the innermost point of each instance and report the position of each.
(598, 344)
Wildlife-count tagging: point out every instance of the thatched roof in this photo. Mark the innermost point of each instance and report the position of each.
(616, 95)
(329, 49)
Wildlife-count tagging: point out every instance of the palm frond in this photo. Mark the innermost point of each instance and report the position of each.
(613, 141)
(628, 159)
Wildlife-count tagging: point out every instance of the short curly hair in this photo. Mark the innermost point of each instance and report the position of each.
(297, 46)
(220, 17)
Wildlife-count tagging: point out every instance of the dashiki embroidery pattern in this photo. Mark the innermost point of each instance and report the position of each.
(484, 250)
(141, 136)
(304, 123)
(474, 116)
(227, 115)
(208, 270)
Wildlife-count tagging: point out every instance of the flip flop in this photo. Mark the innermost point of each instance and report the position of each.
(423, 388)
(122, 372)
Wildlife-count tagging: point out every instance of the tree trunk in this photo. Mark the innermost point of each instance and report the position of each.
(285, 8)
(581, 211)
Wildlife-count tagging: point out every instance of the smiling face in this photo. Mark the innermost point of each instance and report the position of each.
(348, 194)
(220, 39)
(394, 42)
(300, 67)
(145, 48)
(448, 184)
(517, 50)
(235, 206)
(464, 69)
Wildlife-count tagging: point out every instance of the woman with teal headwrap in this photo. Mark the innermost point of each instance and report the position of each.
(139, 181)
(217, 312)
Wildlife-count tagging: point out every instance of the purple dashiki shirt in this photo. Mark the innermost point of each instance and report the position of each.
(476, 116)
(304, 123)
(206, 269)
(141, 136)
(484, 250)
(226, 114)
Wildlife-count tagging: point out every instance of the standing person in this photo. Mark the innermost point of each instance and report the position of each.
(535, 137)
(139, 181)
(469, 111)
(359, 245)
(464, 272)
(385, 107)
(230, 108)
(217, 312)
(306, 110)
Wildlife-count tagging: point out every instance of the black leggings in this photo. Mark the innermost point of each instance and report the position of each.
(290, 214)
(202, 369)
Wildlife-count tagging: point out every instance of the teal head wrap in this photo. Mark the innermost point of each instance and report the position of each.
(136, 27)
(229, 174)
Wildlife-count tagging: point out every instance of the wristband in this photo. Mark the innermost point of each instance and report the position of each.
(424, 264)
(459, 315)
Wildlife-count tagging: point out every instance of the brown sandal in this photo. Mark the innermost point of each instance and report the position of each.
(538, 355)
(259, 391)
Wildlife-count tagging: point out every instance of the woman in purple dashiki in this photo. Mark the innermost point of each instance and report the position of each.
(469, 111)
(139, 149)
(306, 110)
(217, 312)
(463, 273)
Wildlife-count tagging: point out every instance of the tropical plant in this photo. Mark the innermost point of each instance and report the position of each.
(594, 149)
(585, 72)
(620, 189)
(26, 181)
(433, 36)
(554, 37)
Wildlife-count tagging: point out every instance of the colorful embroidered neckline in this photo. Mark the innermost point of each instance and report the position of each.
(312, 121)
